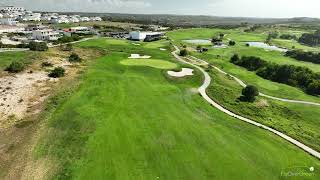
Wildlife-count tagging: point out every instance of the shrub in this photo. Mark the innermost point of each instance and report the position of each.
(57, 72)
(38, 46)
(74, 58)
(46, 64)
(249, 93)
(183, 52)
(15, 67)
(232, 43)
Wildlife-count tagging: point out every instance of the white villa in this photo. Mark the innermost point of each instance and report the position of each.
(45, 34)
(11, 8)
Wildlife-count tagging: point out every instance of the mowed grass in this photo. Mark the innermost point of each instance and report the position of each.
(296, 120)
(221, 58)
(133, 122)
(161, 64)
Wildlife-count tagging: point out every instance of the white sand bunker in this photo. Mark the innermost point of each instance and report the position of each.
(163, 49)
(136, 44)
(137, 56)
(184, 72)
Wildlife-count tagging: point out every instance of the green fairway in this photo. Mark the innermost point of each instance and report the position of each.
(149, 62)
(221, 57)
(133, 122)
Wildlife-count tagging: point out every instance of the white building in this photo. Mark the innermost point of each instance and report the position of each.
(45, 35)
(31, 17)
(140, 36)
(96, 19)
(84, 19)
(74, 19)
(11, 8)
(8, 20)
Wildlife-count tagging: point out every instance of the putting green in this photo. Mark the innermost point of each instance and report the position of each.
(160, 64)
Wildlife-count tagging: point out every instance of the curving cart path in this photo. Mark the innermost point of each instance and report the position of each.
(202, 91)
(261, 94)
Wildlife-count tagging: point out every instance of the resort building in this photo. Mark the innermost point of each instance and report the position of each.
(45, 35)
(11, 9)
(145, 36)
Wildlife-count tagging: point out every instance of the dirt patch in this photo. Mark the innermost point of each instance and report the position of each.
(24, 96)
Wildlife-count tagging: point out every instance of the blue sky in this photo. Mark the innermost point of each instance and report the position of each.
(243, 8)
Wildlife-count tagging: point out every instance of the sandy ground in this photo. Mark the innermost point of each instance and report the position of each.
(138, 56)
(19, 93)
(184, 72)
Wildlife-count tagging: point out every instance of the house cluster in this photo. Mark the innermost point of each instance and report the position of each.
(10, 15)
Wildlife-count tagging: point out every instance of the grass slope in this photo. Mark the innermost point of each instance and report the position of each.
(7, 57)
(133, 122)
(297, 120)
(221, 58)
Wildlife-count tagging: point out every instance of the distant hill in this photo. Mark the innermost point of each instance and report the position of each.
(190, 20)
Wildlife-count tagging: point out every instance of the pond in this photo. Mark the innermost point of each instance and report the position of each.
(198, 41)
(266, 46)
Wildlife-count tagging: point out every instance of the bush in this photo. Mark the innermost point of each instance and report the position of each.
(314, 87)
(38, 46)
(15, 67)
(74, 58)
(66, 47)
(46, 64)
(249, 93)
(183, 52)
(232, 43)
(57, 72)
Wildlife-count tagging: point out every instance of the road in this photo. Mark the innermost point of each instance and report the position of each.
(261, 94)
(202, 91)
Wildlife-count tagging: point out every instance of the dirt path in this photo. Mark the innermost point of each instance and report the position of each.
(202, 91)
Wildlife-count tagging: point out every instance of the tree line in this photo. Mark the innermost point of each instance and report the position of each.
(310, 39)
(295, 76)
(304, 56)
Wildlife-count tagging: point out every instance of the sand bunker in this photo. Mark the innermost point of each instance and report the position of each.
(184, 72)
(137, 56)
(163, 49)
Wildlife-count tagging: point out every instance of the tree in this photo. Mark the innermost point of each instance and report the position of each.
(15, 67)
(235, 58)
(249, 93)
(184, 52)
(232, 43)
(74, 58)
(314, 87)
(38, 46)
(199, 47)
(57, 72)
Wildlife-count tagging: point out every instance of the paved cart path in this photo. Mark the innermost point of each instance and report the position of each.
(202, 91)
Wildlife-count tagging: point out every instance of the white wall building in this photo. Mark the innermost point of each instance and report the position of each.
(140, 36)
(45, 35)
(8, 20)
(11, 8)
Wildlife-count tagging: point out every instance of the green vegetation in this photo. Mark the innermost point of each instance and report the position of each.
(57, 72)
(38, 46)
(183, 52)
(74, 58)
(288, 74)
(296, 120)
(160, 64)
(133, 122)
(220, 57)
(68, 39)
(250, 93)
(6, 58)
(310, 39)
(304, 56)
(15, 67)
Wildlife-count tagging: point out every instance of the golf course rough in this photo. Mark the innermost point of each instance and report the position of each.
(132, 122)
